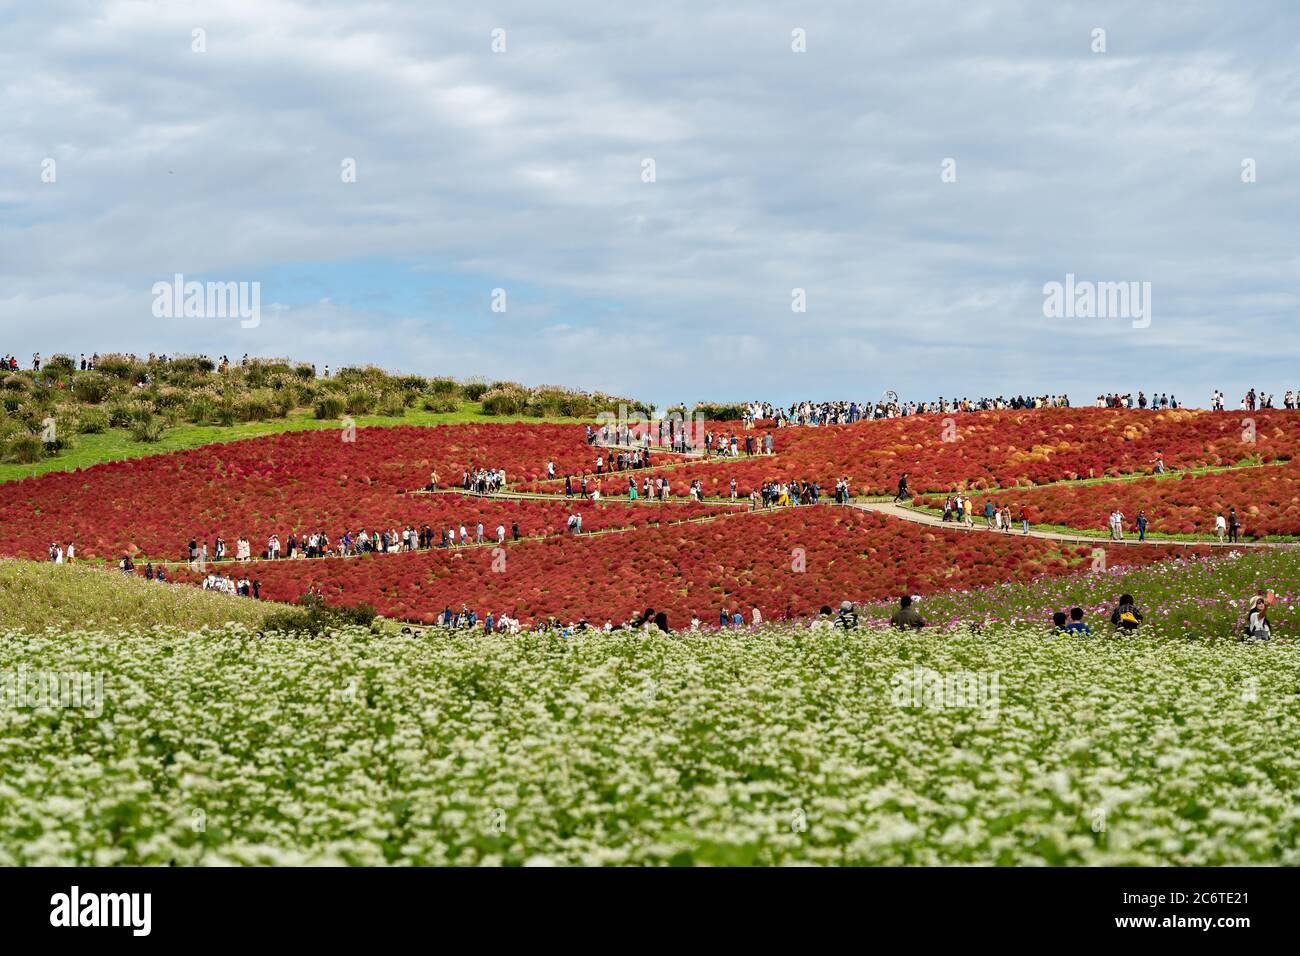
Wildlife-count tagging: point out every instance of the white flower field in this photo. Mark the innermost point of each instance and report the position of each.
(782, 745)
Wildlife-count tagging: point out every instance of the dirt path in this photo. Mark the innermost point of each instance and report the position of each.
(920, 517)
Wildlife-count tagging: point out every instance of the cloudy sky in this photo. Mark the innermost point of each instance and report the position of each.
(525, 170)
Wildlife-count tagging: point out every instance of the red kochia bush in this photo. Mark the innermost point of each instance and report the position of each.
(976, 450)
(296, 481)
(690, 570)
(1267, 500)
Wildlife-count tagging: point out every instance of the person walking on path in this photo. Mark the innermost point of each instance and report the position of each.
(1220, 526)
(1142, 525)
(988, 514)
(903, 494)
(1234, 526)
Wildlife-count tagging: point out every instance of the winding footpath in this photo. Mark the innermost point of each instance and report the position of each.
(925, 518)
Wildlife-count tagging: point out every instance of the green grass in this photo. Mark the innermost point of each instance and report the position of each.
(37, 595)
(116, 444)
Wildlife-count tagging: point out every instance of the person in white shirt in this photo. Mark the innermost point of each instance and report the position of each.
(1257, 626)
(501, 534)
(1220, 526)
(757, 616)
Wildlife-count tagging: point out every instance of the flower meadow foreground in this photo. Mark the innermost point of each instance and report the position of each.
(777, 745)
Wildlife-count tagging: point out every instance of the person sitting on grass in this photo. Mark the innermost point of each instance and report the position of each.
(847, 619)
(906, 616)
(1077, 624)
(1126, 615)
(1257, 625)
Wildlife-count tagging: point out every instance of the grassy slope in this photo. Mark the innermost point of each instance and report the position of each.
(36, 595)
(116, 443)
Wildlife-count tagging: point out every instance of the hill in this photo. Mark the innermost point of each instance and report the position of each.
(64, 417)
(38, 595)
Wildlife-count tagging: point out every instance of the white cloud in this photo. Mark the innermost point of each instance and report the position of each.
(774, 170)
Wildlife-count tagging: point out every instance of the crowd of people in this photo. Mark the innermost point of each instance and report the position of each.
(631, 460)
(480, 481)
(997, 516)
(847, 412)
(779, 494)
(226, 584)
(1156, 402)
(1255, 400)
(888, 406)
(319, 544)
(963, 510)
(9, 362)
